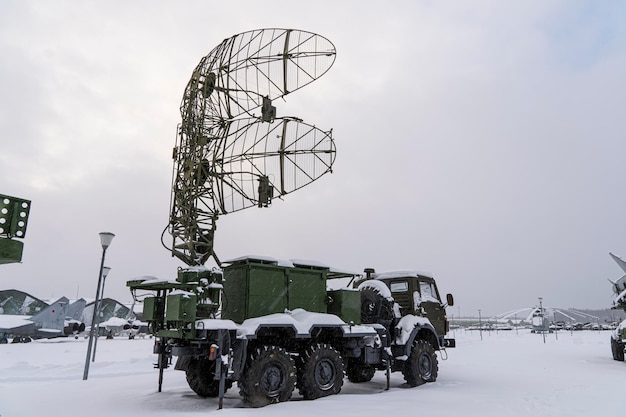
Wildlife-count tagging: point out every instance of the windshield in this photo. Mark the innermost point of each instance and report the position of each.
(429, 292)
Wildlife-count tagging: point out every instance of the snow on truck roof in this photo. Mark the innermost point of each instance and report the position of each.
(259, 259)
(401, 274)
(293, 263)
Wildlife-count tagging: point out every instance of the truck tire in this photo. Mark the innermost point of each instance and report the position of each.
(200, 374)
(422, 365)
(617, 348)
(359, 372)
(320, 372)
(269, 377)
(375, 308)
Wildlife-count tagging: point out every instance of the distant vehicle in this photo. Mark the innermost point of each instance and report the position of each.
(73, 325)
(48, 323)
(618, 336)
(540, 322)
(107, 308)
(116, 326)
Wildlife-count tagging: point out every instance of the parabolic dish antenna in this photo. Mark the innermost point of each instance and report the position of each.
(232, 151)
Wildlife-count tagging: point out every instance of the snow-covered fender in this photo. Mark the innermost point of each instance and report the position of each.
(409, 329)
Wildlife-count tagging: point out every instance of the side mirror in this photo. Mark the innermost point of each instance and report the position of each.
(450, 300)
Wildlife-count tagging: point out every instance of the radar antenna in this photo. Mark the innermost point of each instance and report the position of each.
(232, 151)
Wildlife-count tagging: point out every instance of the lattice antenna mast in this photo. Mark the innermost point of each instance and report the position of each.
(232, 152)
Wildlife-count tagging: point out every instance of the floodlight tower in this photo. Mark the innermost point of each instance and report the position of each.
(13, 221)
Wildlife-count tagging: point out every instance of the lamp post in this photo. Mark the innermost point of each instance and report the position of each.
(105, 241)
(480, 325)
(543, 319)
(105, 272)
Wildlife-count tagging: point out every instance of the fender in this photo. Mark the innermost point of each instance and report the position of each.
(405, 335)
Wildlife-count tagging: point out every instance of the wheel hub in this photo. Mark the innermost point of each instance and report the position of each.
(425, 366)
(325, 374)
(272, 380)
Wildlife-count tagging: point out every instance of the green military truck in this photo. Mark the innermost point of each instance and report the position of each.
(273, 326)
(269, 325)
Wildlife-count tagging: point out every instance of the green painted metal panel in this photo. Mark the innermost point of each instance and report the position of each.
(10, 251)
(267, 290)
(153, 309)
(13, 216)
(254, 288)
(307, 290)
(174, 334)
(346, 304)
(235, 297)
(181, 307)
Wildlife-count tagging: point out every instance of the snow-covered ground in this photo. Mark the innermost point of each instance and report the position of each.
(504, 374)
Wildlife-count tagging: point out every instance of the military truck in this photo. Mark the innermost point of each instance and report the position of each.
(273, 326)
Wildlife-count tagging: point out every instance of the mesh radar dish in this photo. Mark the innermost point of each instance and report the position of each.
(232, 151)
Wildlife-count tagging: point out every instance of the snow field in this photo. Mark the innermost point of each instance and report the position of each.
(507, 374)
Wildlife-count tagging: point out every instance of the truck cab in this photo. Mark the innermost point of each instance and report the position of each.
(409, 293)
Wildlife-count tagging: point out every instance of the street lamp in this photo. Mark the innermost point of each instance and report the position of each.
(105, 241)
(543, 320)
(105, 272)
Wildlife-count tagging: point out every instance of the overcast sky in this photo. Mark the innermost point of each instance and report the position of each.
(482, 141)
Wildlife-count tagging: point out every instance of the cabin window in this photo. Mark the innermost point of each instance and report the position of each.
(401, 286)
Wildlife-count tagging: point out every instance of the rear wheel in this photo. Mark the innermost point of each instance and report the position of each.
(359, 372)
(200, 374)
(320, 372)
(269, 377)
(422, 365)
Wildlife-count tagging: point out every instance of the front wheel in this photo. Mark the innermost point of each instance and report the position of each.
(422, 365)
(320, 372)
(269, 377)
